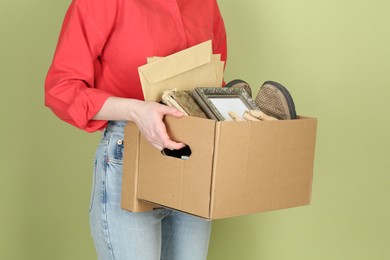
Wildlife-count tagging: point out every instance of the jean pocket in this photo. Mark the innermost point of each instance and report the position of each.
(114, 181)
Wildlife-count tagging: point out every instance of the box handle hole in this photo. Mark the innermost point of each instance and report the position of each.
(183, 153)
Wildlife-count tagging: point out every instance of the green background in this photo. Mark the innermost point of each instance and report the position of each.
(333, 56)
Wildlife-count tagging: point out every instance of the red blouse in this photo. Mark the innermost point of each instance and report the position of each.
(103, 42)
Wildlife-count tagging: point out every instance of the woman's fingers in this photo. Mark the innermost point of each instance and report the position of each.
(150, 123)
(166, 110)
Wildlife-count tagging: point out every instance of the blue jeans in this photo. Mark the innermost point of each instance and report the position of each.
(160, 234)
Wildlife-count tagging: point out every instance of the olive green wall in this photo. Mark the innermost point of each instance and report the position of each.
(332, 55)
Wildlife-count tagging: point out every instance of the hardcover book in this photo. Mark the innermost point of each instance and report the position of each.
(183, 101)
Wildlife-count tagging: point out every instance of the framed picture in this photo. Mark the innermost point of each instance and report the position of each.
(217, 102)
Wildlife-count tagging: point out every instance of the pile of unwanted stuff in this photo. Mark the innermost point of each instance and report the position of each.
(234, 102)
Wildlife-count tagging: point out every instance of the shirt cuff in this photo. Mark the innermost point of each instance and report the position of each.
(86, 106)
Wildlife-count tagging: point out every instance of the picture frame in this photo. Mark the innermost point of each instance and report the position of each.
(217, 102)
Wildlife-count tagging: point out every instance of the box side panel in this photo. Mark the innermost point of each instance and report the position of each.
(176, 183)
(129, 199)
(263, 166)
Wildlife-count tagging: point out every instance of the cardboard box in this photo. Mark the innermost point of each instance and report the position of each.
(236, 168)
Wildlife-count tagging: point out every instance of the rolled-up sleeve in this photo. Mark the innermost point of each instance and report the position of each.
(70, 82)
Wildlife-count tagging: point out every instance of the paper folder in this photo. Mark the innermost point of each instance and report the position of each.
(184, 70)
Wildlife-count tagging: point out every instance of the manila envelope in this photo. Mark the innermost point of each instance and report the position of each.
(184, 70)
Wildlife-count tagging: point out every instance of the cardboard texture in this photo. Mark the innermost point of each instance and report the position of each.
(236, 168)
(184, 70)
(129, 199)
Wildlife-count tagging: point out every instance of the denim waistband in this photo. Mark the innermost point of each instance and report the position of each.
(115, 126)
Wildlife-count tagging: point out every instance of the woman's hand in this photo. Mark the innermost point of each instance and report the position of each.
(148, 116)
